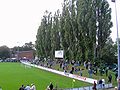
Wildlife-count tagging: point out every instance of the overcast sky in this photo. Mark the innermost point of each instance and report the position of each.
(114, 30)
(20, 19)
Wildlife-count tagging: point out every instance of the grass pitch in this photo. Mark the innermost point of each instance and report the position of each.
(13, 75)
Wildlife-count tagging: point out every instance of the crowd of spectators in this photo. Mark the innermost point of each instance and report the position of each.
(9, 60)
(78, 67)
(28, 87)
(73, 67)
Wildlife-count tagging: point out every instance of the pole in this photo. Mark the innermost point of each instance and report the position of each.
(18, 51)
(118, 46)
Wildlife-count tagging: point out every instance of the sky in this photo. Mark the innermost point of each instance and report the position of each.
(113, 14)
(20, 19)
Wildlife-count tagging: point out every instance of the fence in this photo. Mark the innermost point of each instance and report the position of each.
(90, 87)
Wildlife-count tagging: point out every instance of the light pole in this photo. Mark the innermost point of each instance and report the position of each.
(18, 51)
(118, 46)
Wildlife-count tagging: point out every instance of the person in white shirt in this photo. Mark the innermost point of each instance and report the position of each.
(27, 87)
(103, 80)
(33, 87)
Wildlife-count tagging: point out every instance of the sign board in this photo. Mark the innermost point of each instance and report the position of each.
(59, 54)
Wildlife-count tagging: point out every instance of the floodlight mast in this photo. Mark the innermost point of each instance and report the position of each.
(118, 46)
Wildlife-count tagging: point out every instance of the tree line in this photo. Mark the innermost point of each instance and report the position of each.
(82, 30)
(6, 52)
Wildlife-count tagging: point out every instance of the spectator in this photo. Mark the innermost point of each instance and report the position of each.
(73, 68)
(103, 83)
(119, 84)
(80, 72)
(94, 86)
(71, 72)
(60, 65)
(116, 75)
(101, 71)
(27, 87)
(65, 71)
(51, 86)
(100, 83)
(22, 87)
(90, 73)
(110, 78)
(48, 88)
(85, 64)
(116, 88)
(33, 87)
(95, 70)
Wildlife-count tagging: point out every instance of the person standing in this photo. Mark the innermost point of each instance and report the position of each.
(51, 86)
(106, 71)
(27, 87)
(116, 76)
(100, 83)
(94, 86)
(80, 72)
(33, 87)
(103, 83)
(22, 87)
(110, 78)
(90, 73)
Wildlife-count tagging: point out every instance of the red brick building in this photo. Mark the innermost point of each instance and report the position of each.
(26, 55)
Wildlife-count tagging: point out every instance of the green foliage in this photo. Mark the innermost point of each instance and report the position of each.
(103, 15)
(81, 30)
(4, 52)
(108, 54)
(43, 42)
(26, 47)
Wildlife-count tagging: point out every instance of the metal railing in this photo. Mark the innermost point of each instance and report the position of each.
(90, 87)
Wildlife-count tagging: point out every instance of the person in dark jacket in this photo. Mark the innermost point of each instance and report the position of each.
(100, 83)
(22, 87)
(110, 78)
(94, 86)
(51, 86)
(116, 76)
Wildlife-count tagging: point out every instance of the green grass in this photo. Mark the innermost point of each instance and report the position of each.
(13, 75)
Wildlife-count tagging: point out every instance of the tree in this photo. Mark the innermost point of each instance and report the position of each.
(103, 21)
(4, 52)
(109, 52)
(62, 30)
(87, 28)
(43, 42)
(81, 30)
(26, 47)
(55, 33)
